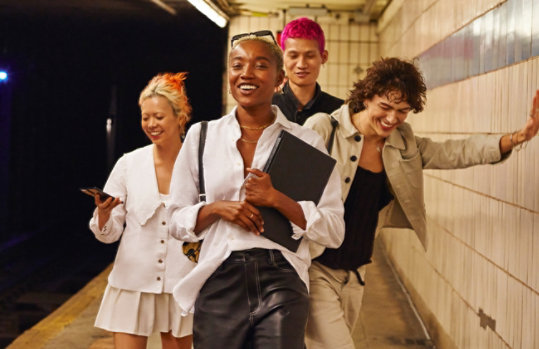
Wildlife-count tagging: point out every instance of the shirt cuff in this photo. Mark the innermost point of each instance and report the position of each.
(107, 227)
(94, 225)
(311, 216)
(186, 221)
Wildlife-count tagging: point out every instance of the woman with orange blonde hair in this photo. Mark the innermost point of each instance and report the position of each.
(149, 262)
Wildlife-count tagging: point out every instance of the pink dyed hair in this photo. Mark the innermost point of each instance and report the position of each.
(303, 28)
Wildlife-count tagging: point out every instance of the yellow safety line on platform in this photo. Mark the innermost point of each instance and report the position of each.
(48, 328)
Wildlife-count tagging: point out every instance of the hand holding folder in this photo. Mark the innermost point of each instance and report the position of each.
(299, 171)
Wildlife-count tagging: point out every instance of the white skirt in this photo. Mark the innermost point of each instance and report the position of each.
(141, 313)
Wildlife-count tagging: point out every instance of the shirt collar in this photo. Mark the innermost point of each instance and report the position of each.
(279, 119)
(145, 198)
(343, 116)
(288, 92)
(395, 139)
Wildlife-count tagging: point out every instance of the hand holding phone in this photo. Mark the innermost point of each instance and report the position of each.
(91, 191)
(104, 209)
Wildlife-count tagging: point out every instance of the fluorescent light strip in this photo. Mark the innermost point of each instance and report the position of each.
(308, 11)
(210, 11)
(164, 6)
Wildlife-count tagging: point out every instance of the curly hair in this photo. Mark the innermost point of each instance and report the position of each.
(172, 87)
(303, 28)
(390, 75)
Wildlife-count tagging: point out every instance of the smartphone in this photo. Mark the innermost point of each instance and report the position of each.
(95, 190)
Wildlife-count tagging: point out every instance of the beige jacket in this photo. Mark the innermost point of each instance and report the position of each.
(404, 156)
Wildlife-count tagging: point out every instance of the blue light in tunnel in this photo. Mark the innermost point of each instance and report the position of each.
(3, 75)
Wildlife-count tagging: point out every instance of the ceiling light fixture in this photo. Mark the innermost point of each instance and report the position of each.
(210, 10)
(308, 11)
(364, 16)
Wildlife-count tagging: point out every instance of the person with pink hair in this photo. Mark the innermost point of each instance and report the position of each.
(303, 45)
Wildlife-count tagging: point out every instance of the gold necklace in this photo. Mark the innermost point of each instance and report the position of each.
(255, 128)
(258, 128)
(248, 141)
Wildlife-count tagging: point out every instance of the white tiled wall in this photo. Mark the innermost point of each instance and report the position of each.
(483, 222)
(352, 48)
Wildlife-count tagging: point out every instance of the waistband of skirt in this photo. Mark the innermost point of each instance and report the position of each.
(255, 254)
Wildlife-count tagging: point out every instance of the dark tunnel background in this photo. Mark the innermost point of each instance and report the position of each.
(67, 75)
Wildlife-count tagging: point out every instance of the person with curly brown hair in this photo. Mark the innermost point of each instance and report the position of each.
(381, 163)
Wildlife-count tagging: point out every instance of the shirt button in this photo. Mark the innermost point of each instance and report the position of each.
(158, 278)
(163, 222)
(162, 241)
(353, 158)
(347, 180)
(357, 138)
(160, 261)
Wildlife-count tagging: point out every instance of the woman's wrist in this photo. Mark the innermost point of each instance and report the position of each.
(518, 140)
(102, 219)
(290, 208)
(512, 141)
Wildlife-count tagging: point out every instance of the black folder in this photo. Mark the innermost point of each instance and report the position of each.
(300, 171)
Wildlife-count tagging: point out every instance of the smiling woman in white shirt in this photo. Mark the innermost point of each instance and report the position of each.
(149, 262)
(247, 291)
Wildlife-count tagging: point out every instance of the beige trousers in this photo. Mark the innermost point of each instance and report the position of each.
(335, 300)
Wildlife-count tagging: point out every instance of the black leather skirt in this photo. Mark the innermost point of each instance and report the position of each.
(255, 299)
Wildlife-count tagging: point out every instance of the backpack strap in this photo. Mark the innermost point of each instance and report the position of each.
(201, 143)
(334, 124)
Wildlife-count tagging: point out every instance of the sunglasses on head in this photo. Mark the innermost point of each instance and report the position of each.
(266, 35)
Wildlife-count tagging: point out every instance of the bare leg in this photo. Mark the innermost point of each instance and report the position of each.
(170, 342)
(129, 341)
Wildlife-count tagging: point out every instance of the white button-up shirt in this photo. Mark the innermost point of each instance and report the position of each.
(148, 258)
(224, 177)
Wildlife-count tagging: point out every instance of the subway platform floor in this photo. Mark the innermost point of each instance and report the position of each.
(387, 319)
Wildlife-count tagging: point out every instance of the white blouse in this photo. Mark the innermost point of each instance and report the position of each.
(224, 176)
(149, 259)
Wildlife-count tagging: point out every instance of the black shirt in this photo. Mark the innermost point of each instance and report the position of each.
(368, 194)
(321, 102)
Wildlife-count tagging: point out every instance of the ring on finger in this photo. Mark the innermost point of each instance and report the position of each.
(251, 216)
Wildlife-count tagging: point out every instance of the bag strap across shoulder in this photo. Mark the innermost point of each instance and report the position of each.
(201, 143)
(192, 249)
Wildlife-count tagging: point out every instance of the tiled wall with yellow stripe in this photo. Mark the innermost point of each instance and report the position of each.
(352, 47)
(478, 282)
